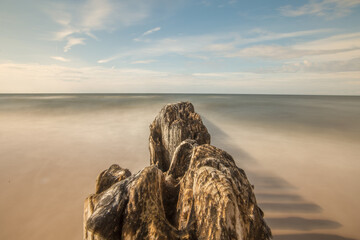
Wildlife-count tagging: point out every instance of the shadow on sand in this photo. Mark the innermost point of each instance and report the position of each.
(220, 139)
(276, 195)
(302, 224)
(310, 236)
(264, 197)
(291, 207)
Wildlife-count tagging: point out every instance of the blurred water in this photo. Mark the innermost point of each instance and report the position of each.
(300, 152)
(323, 114)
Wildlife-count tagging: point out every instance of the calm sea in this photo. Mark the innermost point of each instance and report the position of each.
(301, 152)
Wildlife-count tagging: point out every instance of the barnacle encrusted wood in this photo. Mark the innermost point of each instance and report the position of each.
(191, 191)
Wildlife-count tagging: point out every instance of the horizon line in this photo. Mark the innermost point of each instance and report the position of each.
(179, 93)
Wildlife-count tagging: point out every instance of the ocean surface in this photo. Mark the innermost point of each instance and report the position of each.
(302, 154)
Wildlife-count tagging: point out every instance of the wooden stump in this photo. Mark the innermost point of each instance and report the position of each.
(191, 191)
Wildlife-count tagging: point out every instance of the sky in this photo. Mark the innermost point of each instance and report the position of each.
(180, 46)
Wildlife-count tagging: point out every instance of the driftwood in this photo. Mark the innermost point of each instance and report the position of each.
(191, 190)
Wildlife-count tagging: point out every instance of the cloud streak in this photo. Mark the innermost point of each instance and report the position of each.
(151, 31)
(95, 14)
(14, 78)
(143, 61)
(81, 21)
(56, 78)
(322, 8)
(338, 46)
(201, 46)
(335, 54)
(72, 42)
(61, 59)
(352, 65)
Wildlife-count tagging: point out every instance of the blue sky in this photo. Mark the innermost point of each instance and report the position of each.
(180, 46)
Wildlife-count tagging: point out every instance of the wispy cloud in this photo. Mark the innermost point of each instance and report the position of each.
(335, 42)
(72, 42)
(160, 47)
(54, 78)
(143, 61)
(352, 65)
(274, 82)
(333, 47)
(61, 59)
(80, 21)
(336, 54)
(219, 45)
(64, 33)
(95, 14)
(225, 75)
(277, 52)
(322, 8)
(107, 59)
(151, 31)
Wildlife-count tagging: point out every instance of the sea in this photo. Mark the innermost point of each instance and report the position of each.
(301, 153)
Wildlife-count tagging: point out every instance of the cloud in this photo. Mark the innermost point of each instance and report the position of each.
(218, 45)
(277, 52)
(221, 47)
(151, 31)
(280, 82)
(308, 66)
(107, 60)
(322, 8)
(83, 20)
(55, 78)
(352, 65)
(334, 42)
(226, 75)
(143, 61)
(72, 42)
(267, 51)
(95, 14)
(336, 47)
(61, 59)
(80, 20)
(34, 78)
(160, 47)
(64, 33)
(331, 54)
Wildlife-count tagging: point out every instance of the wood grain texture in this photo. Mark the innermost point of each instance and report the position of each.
(191, 190)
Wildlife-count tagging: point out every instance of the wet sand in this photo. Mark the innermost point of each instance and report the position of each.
(306, 181)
